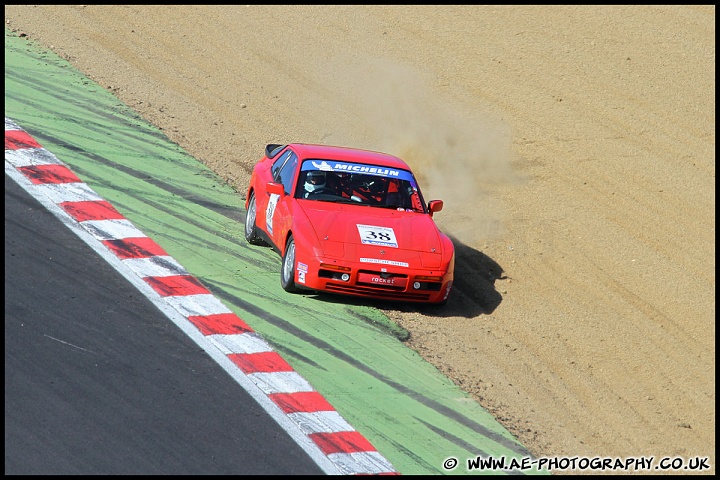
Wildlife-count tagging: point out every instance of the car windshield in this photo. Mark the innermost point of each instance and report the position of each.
(360, 184)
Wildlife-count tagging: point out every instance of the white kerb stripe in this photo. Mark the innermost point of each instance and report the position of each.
(68, 192)
(111, 229)
(158, 266)
(202, 305)
(328, 421)
(25, 157)
(249, 342)
(280, 382)
(10, 125)
(361, 462)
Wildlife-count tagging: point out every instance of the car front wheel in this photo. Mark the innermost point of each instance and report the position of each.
(287, 273)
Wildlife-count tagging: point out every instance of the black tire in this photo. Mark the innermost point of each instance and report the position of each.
(287, 270)
(251, 233)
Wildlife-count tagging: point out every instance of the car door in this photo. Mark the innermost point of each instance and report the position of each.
(277, 212)
(262, 196)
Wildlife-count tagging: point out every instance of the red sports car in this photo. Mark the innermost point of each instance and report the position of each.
(348, 221)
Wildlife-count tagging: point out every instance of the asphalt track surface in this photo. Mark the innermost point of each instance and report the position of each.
(291, 401)
(414, 416)
(109, 385)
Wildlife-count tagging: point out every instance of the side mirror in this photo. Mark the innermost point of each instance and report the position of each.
(276, 188)
(435, 206)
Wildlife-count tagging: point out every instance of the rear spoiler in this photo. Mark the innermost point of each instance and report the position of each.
(272, 149)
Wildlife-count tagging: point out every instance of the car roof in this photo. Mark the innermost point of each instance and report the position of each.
(346, 154)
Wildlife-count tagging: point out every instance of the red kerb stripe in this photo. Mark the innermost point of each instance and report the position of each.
(17, 139)
(341, 442)
(260, 362)
(40, 174)
(140, 247)
(176, 285)
(301, 402)
(91, 210)
(221, 323)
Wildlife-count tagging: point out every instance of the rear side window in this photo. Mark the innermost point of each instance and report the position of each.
(278, 164)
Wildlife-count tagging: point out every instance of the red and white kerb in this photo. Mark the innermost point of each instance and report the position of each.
(317, 427)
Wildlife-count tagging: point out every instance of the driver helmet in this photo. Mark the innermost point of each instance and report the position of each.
(315, 180)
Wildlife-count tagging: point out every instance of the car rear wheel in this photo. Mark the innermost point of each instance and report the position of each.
(251, 234)
(287, 272)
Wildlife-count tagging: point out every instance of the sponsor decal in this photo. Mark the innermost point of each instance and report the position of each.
(379, 280)
(385, 262)
(374, 235)
(272, 203)
(389, 281)
(447, 291)
(349, 167)
(302, 269)
(324, 166)
(369, 169)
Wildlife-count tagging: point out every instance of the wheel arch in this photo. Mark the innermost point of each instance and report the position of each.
(285, 240)
(250, 192)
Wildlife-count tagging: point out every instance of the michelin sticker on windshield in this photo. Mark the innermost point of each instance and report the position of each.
(373, 235)
(272, 203)
(358, 168)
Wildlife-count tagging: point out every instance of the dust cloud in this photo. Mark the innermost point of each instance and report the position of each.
(458, 153)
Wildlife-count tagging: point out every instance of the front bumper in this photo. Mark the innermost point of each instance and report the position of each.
(373, 281)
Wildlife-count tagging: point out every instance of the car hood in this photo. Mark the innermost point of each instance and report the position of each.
(354, 231)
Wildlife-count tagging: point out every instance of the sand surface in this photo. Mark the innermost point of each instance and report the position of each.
(574, 148)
